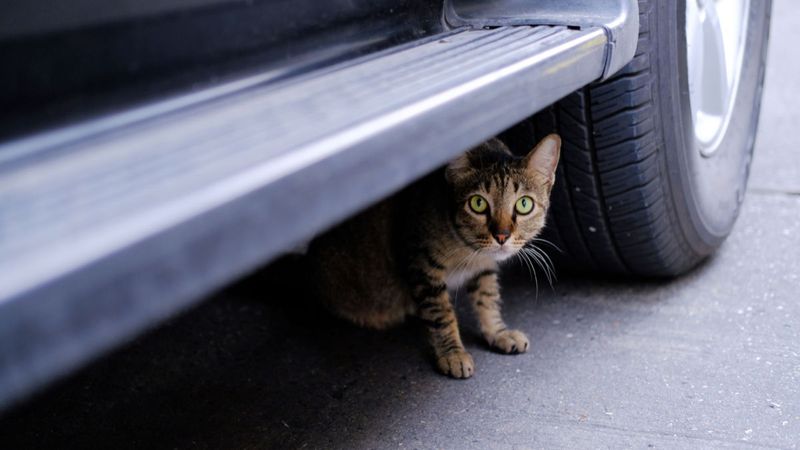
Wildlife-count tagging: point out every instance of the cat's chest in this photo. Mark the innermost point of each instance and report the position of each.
(457, 278)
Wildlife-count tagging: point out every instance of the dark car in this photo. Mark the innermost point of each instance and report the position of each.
(153, 151)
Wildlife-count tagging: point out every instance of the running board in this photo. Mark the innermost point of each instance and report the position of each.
(111, 226)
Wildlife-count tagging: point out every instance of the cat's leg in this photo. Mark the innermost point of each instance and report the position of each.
(484, 290)
(436, 312)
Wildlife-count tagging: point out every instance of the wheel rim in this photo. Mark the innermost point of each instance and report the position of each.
(716, 33)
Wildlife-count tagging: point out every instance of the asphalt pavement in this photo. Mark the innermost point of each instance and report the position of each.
(711, 360)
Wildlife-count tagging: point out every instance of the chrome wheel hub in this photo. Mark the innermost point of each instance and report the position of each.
(716, 33)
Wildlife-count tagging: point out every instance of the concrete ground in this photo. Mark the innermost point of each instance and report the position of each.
(710, 360)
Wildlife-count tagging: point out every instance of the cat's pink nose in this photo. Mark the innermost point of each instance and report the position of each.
(501, 238)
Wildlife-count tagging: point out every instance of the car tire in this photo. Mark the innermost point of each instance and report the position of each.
(635, 194)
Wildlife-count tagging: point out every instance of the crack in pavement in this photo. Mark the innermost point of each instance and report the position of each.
(772, 191)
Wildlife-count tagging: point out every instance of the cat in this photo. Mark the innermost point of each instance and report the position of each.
(451, 229)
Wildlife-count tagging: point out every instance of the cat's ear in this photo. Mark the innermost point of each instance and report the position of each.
(543, 159)
(459, 168)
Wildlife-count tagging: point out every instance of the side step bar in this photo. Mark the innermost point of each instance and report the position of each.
(111, 226)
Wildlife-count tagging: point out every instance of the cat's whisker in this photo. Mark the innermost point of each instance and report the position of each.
(526, 257)
(545, 241)
(549, 260)
(518, 259)
(544, 262)
(538, 257)
(539, 263)
(522, 261)
(547, 270)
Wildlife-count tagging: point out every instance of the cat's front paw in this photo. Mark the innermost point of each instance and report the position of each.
(457, 364)
(510, 341)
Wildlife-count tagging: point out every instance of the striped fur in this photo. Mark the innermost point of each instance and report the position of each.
(406, 255)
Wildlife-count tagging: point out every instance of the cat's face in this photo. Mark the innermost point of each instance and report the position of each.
(502, 200)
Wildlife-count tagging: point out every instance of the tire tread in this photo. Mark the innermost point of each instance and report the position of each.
(610, 203)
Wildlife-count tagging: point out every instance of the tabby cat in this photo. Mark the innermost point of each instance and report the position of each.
(402, 256)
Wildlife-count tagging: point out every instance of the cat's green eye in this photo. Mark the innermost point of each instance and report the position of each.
(524, 205)
(478, 204)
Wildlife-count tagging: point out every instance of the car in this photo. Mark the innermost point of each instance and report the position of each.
(153, 151)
